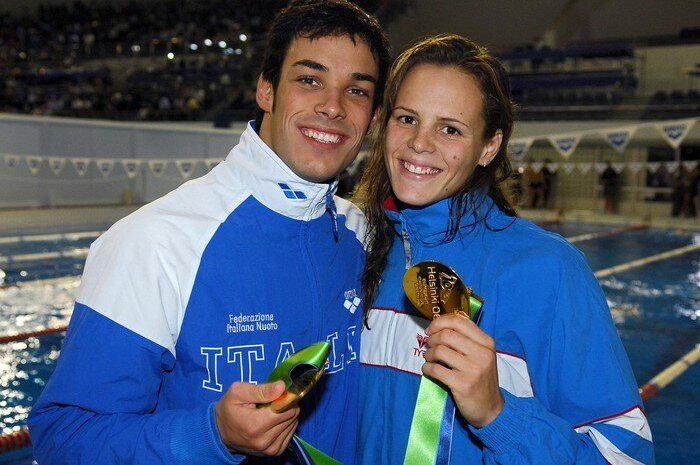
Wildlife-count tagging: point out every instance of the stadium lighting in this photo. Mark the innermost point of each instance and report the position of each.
(243, 37)
(222, 44)
(208, 42)
(194, 47)
(170, 55)
(136, 48)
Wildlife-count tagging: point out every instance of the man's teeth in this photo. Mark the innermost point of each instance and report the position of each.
(419, 169)
(322, 136)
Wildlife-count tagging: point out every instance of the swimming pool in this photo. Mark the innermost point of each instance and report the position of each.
(656, 309)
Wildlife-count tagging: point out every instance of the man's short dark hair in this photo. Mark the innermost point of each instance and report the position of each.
(314, 19)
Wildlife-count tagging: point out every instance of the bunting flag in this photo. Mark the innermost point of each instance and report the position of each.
(552, 167)
(131, 166)
(185, 167)
(568, 167)
(584, 167)
(12, 161)
(211, 163)
(105, 166)
(618, 167)
(565, 144)
(618, 138)
(157, 166)
(34, 163)
(671, 166)
(536, 166)
(635, 166)
(517, 148)
(56, 164)
(80, 165)
(675, 132)
(600, 167)
(653, 166)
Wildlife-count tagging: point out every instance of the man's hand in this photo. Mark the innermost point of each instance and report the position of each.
(463, 358)
(246, 429)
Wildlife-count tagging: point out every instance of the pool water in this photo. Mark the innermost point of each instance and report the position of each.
(656, 309)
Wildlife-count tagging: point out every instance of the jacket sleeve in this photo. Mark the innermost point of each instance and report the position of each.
(99, 405)
(103, 404)
(586, 407)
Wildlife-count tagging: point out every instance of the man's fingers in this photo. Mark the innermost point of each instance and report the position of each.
(258, 393)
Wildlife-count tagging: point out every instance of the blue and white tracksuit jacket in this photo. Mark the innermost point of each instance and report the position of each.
(216, 282)
(570, 395)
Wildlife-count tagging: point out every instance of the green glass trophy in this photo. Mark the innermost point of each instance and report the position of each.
(300, 373)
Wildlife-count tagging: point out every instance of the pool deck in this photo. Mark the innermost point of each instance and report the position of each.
(95, 218)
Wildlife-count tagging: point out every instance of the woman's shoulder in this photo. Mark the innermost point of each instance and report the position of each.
(525, 239)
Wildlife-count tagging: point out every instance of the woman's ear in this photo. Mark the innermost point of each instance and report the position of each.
(491, 148)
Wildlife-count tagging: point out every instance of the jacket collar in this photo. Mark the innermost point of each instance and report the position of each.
(429, 224)
(273, 183)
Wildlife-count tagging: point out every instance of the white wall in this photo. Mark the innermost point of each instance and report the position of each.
(665, 68)
(64, 137)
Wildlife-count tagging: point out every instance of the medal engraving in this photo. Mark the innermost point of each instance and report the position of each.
(435, 289)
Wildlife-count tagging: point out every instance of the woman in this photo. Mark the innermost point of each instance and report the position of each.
(543, 378)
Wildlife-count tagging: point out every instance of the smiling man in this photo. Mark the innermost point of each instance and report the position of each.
(188, 304)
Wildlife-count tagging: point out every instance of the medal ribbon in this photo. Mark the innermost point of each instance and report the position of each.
(435, 289)
(431, 429)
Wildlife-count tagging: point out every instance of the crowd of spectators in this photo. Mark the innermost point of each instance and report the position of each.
(165, 60)
(146, 60)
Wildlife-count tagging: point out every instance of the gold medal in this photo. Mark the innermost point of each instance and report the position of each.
(435, 289)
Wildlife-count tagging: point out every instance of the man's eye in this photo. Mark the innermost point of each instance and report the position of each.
(359, 92)
(307, 81)
(405, 119)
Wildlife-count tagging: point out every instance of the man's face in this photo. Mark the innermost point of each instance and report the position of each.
(319, 114)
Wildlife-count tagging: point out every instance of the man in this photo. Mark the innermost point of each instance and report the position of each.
(188, 304)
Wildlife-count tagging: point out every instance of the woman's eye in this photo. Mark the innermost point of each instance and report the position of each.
(450, 131)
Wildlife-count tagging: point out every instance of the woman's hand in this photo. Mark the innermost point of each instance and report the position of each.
(463, 358)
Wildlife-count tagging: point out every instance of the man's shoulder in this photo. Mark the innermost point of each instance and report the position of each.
(180, 218)
(354, 217)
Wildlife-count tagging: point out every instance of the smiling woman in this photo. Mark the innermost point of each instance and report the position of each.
(434, 137)
(542, 376)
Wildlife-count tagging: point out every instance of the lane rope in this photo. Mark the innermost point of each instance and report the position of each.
(26, 335)
(50, 237)
(645, 261)
(6, 260)
(670, 373)
(16, 440)
(609, 232)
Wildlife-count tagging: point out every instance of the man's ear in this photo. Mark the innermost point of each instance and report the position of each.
(265, 94)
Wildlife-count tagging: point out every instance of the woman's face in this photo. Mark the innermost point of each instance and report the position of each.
(434, 137)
